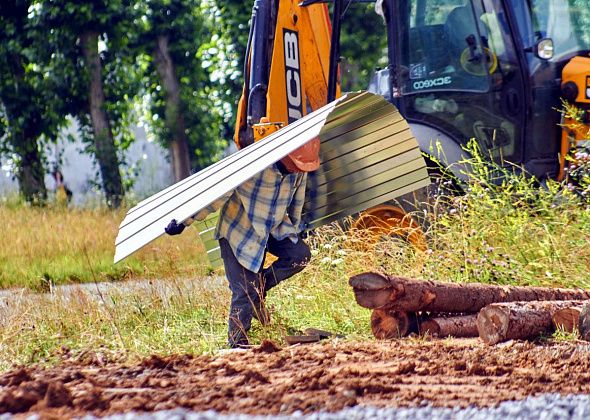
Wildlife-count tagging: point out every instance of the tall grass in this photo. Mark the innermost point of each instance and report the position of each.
(503, 230)
(163, 317)
(54, 245)
(509, 229)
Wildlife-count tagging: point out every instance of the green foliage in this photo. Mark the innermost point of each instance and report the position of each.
(26, 88)
(190, 40)
(66, 21)
(31, 110)
(509, 229)
(577, 169)
(363, 46)
(226, 51)
(560, 335)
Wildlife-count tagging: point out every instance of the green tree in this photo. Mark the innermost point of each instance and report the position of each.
(226, 51)
(31, 109)
(93, 37)
(181, 88)
(363, 46)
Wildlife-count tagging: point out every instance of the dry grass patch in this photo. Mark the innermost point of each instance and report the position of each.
(43, 246)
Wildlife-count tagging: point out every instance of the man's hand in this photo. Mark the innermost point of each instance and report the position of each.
(174, 228)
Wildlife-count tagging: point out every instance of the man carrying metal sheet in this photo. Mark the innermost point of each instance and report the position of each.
(261, 215)
(261, 206)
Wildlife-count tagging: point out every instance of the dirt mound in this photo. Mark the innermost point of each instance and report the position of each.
(325, 376)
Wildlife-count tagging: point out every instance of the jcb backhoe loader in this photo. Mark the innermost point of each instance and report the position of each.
(493, 70)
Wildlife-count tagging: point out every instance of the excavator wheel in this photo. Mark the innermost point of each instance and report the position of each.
(387, 220)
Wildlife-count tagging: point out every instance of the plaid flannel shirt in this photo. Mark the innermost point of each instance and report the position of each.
(266, 204)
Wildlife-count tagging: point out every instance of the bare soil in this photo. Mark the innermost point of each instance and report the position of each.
(324, 376)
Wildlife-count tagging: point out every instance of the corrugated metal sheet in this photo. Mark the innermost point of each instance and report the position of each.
(368, 156)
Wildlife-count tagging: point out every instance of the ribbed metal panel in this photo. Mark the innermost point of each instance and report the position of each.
(367, 160)
(206, 229)
(368, 156)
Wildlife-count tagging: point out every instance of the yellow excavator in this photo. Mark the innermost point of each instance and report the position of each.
(492, 70)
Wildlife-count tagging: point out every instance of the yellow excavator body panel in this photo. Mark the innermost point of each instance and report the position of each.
(575, 87)
(577, 71)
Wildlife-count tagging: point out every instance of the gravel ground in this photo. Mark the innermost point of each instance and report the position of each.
(548, 406)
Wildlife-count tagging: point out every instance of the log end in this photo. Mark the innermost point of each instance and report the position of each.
(567, 319)
(492, 324)
(371, 290)
(387, 324)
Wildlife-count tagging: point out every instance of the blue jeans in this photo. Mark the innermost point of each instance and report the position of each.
(248, 289)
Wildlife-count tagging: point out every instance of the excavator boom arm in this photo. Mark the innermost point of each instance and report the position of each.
(285, 38)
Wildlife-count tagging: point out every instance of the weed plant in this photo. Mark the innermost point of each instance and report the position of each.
(506, 229)
(510, 229)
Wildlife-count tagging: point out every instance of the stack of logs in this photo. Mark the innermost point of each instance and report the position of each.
(494, 313)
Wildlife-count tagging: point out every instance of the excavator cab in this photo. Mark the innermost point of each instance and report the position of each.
(487, 69)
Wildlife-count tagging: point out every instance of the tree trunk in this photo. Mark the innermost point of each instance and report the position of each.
(174, 119)
(517, 320)
(106, 153)
(455, 326)
(30, 172)
(386, 324)
(374, 291)
(585, 322)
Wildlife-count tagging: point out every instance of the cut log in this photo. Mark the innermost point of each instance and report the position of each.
(518, 320)
(585, 322)
(454, 326)
(388, 324)
(373, 290)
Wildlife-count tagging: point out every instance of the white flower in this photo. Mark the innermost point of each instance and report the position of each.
(337, 261)
(341, 252)
(326, 260)
(327, 246)
(314, 252)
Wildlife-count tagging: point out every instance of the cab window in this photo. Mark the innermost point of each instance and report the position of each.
(443, 47)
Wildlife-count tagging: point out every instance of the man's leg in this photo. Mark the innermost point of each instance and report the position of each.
(245, 296)
(292, 258)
